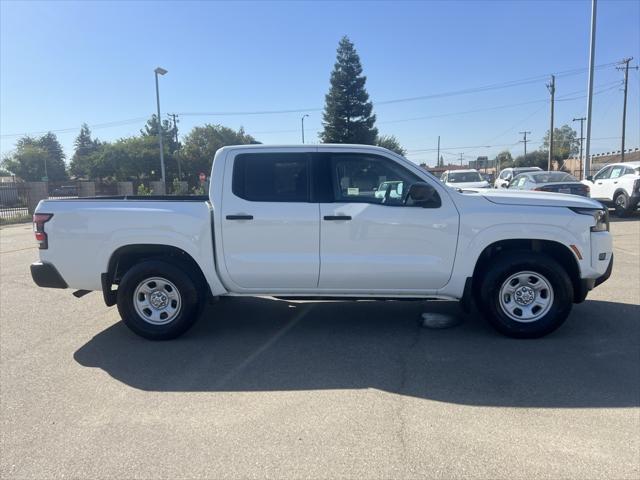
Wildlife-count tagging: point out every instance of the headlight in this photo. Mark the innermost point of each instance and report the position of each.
(600, 215)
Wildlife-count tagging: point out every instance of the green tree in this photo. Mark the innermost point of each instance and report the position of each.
(27, 162)
(85, 152)
(348, 114)
(202, 143)
(133, 158)
(504, 160)
(537, 158)
(390, 142)
(35, 158)
(169, 143)
(565, 143)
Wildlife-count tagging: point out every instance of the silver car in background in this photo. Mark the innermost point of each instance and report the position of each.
(559, 182)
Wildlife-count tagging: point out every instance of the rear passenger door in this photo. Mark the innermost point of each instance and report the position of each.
(270, 227)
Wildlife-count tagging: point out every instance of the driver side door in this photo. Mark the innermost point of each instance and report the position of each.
(370, 244)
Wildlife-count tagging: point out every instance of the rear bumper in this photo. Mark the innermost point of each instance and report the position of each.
(45, 275)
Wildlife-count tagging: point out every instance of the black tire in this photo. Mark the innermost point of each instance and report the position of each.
(187, 306)
(621, 204)
(512, 263)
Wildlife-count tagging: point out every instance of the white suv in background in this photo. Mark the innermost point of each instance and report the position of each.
(507, 174)
(617, 185)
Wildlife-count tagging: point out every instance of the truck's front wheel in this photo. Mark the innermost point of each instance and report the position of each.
(526, 295)
(157, 300)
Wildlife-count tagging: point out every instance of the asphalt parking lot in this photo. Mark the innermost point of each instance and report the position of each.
(264, 388)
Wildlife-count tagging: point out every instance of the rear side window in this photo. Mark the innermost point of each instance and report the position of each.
(271, 177)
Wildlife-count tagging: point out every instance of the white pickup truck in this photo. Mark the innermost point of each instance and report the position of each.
(309, 222)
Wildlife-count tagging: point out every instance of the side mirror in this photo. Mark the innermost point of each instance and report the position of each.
(590, 178)
(423, 195)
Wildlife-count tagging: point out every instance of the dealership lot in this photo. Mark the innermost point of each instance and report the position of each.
(266, 388)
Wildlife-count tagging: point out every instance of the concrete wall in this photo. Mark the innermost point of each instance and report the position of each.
(157, 188)
(36, 191)
(125, 188)
(86, 189)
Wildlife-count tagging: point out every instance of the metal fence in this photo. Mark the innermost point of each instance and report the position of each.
(14, 201)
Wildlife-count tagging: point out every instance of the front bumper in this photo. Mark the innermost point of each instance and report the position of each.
(46, 275)
(587, 284)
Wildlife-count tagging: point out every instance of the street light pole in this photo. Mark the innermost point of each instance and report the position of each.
(302, 121)
(592, 54)
(581, 120)
(160, 71)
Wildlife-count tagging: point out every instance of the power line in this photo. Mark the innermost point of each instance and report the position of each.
(302, 110)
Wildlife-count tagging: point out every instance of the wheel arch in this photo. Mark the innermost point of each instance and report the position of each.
(556, 250)
(124, 257)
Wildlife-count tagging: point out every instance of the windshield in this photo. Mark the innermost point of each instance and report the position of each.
(549, 177)
(463, 177)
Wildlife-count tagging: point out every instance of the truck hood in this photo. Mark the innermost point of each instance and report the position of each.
(540, 199)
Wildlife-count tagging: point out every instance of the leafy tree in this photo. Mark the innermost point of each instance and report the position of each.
(84, 155)
(202, 143)
(27, 162)
(537, 158)
(169, 143)
(390, 142)
(504, 160)
(133, 158)
(565, 143)
(348, 114)
(35, 158)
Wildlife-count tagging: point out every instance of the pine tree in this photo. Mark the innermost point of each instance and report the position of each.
(348, 113)
(83, 157)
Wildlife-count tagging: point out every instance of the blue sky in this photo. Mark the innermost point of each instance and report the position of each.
(62, 64)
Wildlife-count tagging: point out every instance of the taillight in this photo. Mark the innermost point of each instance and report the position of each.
(39, 219)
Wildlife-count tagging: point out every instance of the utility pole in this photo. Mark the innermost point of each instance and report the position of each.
(525, 145)
(174, 116)
(581, 120)
(551, 86)
(302, 121)
(624, 105)
(160, 71)
(592, 54)
(461, 155)
(438, 157)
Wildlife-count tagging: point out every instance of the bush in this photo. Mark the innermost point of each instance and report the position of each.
(142, 190)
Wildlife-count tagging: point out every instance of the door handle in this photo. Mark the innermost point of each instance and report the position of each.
(239, 217)
(337, 217)
(599, 183)
(615, 182)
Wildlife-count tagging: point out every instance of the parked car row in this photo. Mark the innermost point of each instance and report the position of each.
(616, 185)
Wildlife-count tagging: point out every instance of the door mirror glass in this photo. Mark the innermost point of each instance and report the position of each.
(423, 195)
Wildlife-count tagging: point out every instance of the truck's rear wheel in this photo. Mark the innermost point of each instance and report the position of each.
(526, 295)
(157, 300)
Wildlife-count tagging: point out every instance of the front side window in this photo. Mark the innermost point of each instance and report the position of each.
(617, 171)
(603, 174)
(271, 177)
(519, 181)
(363, 178)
